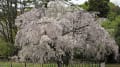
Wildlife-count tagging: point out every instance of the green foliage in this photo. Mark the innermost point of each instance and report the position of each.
(7, 19)
(6, 49)
(110, 26)
(114, 11)
(113, 27)
(111, 16)
(117, 31)
(85, 5)
(92, 5)
(114, 8)
(100, 6)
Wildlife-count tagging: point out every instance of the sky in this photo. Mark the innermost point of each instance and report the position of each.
(117, 2)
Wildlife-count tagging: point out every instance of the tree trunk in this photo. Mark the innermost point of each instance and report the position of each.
(59, 64)
(102, 64)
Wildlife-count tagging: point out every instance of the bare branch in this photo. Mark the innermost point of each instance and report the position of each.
(74, 30)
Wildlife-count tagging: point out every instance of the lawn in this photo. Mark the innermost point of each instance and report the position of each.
(112, 65)
(8, 64)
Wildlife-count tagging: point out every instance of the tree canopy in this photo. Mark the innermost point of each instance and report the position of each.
(56, 31)
(100, 6)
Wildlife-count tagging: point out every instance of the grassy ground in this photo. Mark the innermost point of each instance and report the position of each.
(8, 64)
(112, 65)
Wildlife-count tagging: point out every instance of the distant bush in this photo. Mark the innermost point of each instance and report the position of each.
(6, 49)
(111, 25)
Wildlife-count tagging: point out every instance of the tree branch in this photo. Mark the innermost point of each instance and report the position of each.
(74, 30)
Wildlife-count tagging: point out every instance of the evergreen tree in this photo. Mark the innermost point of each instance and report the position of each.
(101, 6)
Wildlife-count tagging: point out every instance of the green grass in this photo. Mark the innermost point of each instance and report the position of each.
(8, 64)
(112, 65)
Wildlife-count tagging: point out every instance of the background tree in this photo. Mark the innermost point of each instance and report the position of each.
(114, 11)
(100, 6)
(7, 19)
(7, 25)
(117, 31)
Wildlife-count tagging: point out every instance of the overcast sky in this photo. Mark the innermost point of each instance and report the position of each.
(117, 2)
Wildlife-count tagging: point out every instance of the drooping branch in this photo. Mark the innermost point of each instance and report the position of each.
(74, 30)
(41, 38)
